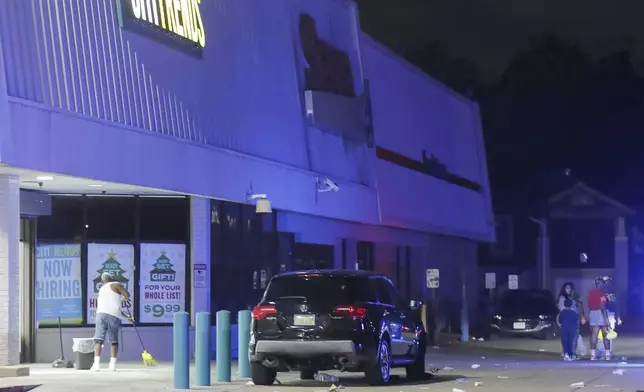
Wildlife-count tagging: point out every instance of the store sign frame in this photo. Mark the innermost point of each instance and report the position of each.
(163, 21)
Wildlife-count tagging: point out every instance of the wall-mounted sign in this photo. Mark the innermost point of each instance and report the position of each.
(176, 22)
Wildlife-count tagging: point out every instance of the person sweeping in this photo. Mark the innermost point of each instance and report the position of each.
(108, 319)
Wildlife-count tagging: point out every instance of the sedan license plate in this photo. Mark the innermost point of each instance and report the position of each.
(304, 320)
(519, 325)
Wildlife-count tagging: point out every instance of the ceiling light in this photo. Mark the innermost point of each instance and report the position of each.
(44, 178)
(95, 185)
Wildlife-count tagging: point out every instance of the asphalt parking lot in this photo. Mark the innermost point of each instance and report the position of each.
(507, 365)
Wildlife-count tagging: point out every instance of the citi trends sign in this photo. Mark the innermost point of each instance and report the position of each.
(175, 22)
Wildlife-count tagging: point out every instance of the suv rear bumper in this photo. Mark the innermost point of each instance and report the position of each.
(304, 348)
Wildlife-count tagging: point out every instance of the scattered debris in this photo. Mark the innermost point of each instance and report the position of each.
(624, 358)
(462, 380)
(601, 386)
(618, 372)
(482, 357)
(502, 377)
(457, 390)
(324, 377)
(478, 383)
(542, 350)
(447, 368)
(250, 383)
(577, 385)
(434, 370)
(435, 347)
(334, 387)
(476, 366)
(481, 340)
(623, 363)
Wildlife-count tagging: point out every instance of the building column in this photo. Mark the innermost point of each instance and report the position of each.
(200, 255)
(621, 264)
(9, 270)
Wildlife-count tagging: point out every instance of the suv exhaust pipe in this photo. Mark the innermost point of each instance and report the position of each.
(270, 362)
(344, 363)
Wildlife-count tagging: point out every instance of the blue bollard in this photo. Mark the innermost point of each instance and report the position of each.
(202, 349)
(243, 341)
(223, 346)
(181, 351)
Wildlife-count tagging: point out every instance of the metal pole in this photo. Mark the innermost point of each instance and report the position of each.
(465, 321)
(243, 342)
(202, 349)
(223, 346)
(181, 351)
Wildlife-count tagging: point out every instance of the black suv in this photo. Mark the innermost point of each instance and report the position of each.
(354, 321)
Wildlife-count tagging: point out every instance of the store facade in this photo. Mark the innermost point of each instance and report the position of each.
(137, 131)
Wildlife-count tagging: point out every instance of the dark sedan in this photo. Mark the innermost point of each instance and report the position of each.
(526, 313)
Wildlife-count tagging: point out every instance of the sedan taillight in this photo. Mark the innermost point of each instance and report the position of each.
(354, 312)
(263, 311)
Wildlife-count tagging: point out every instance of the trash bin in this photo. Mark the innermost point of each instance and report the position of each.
(84, 350)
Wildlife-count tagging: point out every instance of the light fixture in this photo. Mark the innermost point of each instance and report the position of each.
(44, 178)
(262, 204)
(95, 185)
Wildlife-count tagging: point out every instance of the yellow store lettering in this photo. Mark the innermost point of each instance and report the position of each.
(180, 17)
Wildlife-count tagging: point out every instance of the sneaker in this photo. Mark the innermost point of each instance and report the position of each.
(593, 358)
(96, 367)
(112, 367)
(567, 358)
(609, 357)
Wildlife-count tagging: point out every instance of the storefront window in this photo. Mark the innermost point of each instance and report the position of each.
(66, 222)
(111, 218)
(136, 239)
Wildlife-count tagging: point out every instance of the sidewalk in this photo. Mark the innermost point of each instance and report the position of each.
(627, 346)
(130, 376)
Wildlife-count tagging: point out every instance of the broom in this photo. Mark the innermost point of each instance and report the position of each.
(148, 359)
(61, 363)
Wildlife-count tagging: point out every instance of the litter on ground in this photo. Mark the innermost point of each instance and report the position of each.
(577, 385)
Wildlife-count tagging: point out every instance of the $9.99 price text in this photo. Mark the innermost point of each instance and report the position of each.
(159, 310)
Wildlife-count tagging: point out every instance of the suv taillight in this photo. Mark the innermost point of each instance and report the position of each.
(354, 312)
(263, 311)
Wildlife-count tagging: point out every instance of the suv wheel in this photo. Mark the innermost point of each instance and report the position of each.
(262, 375)
(416, 371)
(307, 374)
(379, 372)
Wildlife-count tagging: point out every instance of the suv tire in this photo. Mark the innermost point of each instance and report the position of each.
(416, 371)
(379, 372)
(262, 375)
(307, 374)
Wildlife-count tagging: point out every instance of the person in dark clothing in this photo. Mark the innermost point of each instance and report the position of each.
(568, 321)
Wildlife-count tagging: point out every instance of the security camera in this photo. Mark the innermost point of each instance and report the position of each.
(331, 185)
(327, 185)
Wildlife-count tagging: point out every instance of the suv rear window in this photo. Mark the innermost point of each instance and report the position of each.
(339, 290)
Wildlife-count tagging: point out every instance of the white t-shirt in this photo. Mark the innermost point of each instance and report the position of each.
(109, 302)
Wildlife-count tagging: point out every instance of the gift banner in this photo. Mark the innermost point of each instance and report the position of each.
(115, 259)
(163, 282)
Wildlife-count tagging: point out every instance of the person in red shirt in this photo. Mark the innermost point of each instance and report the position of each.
(598, 319)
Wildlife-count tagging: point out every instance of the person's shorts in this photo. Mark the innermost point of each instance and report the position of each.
(596, 319)
(109, 325)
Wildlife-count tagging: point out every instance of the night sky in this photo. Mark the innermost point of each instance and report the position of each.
(490, 31)
(604, 150)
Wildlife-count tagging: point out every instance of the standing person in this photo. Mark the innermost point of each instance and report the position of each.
(568, 321)
(568, 292)
(108, 319)
(612, 310)
(598, 319)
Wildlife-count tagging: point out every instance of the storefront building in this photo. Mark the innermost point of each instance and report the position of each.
(136, 136)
